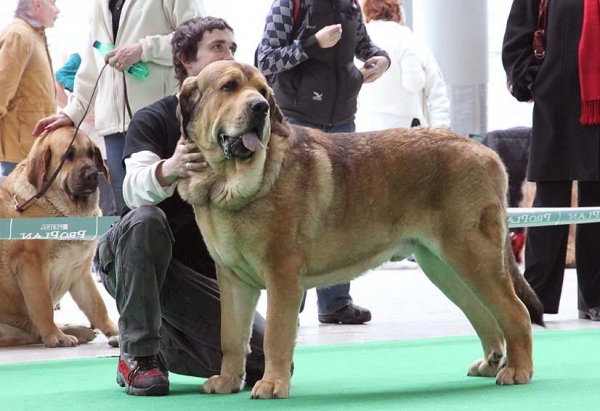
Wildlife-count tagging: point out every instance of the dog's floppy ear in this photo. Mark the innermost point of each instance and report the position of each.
(38, 163)
(274, 108)
(189, 97)
(277, 123)
(100, 164)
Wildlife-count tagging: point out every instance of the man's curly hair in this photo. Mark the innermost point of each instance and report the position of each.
(186, 38)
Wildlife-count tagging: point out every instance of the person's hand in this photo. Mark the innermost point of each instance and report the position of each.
(122, 57)
(328, 36)
(50, 123)
(185, 161)
(374, 68)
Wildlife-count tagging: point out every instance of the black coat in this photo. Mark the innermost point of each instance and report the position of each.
(562, 149)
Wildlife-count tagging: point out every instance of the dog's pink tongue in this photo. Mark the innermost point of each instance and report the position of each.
(251, 141)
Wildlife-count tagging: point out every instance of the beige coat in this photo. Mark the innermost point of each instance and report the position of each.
(27, 90)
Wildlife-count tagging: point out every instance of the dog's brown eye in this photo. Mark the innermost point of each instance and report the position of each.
(229, 86)
(263, 92)
(71, 153)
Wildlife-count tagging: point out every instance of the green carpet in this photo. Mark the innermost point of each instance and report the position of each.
(425, 374)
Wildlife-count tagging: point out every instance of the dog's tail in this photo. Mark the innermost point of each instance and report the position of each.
(523, 289)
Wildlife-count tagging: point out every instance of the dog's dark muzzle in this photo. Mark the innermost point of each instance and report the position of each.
(246, 144)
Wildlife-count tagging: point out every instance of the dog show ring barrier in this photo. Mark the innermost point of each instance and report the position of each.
(92, 228)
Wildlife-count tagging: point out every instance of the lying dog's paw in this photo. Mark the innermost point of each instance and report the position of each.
(59, 340)
(81, 333)
(512, 375)
(222, 384)
(487, 367)
(271, 389)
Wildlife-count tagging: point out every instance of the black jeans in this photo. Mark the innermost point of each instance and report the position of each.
(163, 304)
(546, 247)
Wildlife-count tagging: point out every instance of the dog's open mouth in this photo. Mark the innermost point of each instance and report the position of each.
(244, 145)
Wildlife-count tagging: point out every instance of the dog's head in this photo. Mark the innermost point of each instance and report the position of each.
(229, 111)
(78, 177)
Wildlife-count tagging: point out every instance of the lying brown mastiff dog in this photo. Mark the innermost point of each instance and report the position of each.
(289, 208)
(36, 274)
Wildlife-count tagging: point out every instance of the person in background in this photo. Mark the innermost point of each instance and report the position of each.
(565, 138)
(412, 92)
(153, 260)
(317, 84)
(27, 91)
(141, 30)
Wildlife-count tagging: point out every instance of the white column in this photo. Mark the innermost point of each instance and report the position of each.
(457, 32)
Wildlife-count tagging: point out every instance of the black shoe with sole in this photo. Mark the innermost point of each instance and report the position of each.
(349, 314)
(142, 375)
(591, 314)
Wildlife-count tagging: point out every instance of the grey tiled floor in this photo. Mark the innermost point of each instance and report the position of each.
(405, 305)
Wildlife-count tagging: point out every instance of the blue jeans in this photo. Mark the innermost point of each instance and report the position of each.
(114, 155)
(329, 299)
(7, 168)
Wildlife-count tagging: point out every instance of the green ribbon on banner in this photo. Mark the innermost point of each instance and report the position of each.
(537, 217)
(60, 228)
(92, 228)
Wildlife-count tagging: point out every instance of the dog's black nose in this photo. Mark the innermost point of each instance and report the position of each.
(90, 177)
(259, 108)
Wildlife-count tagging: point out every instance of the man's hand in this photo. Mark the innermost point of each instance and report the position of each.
(122, 57)
(186, 161)
(50, 123)
(328, 36)
(374, 68)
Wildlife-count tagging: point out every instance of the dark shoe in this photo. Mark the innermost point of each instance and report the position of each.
(591, 314)
(142, 375)
(349, 314)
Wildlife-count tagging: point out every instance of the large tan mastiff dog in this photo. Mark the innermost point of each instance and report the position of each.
(36, 274)
(289, 208)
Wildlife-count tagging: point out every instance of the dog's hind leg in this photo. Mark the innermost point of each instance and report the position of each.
(448, 281)
(479, 260)
(12, 336)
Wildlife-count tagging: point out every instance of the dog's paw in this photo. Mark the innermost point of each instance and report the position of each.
(81, 333)
(59, 340)
(487, 367)
(222, 384)
(271, 389)
(512, 375)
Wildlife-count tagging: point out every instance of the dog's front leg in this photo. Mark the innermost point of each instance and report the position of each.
(33, 278)
(283, 303)
(88, 299)
(238, 304)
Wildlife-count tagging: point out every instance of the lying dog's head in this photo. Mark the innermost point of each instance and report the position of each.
(229, 111)
(78, 177)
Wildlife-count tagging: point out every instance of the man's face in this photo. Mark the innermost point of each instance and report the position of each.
(215, 45)
(45, 12)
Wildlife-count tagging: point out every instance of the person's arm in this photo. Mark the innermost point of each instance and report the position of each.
(436, 95)
(376, 60)
(13, 60)
(278, 50)
(413, 73)
(519, 62)
(157, 49)
(141, 186)
(85, 79)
